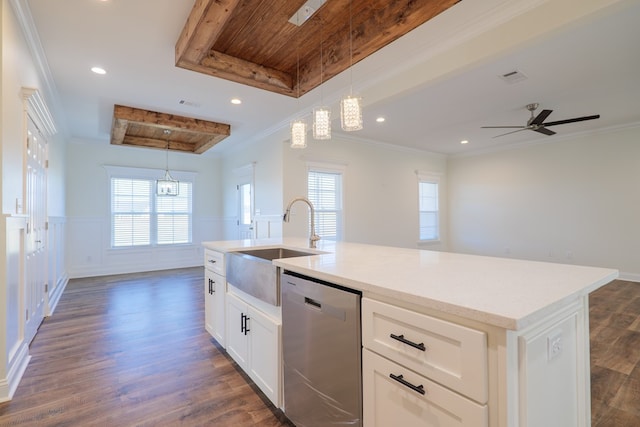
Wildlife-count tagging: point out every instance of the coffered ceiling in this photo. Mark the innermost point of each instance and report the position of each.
(435, 85)
(269, 45)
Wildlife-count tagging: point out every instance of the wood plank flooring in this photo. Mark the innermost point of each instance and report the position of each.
(614, 319)
(132, 351)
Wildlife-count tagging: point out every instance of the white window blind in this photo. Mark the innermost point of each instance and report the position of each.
(140, 218)
(325, 193)
(429, 212)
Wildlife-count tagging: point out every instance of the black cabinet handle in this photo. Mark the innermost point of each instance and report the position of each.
(246, 325)
(401, 380)
(213, 286)
(242, 327)
(403, 340)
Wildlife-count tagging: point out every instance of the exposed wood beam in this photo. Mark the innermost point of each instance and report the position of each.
(202, 29)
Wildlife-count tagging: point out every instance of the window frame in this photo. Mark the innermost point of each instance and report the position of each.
(148, 175)
(330, 168)
(430, 178)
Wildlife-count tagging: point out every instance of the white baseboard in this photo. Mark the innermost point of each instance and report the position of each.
(631, 277)
(54, 297)
(17, 367)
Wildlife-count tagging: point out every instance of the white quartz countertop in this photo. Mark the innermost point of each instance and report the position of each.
(503, 292)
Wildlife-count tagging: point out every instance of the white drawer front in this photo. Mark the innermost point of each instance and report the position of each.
(452, 355)
(389, 402)
(214, 261)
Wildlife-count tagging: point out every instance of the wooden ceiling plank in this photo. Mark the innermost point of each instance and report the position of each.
(170, 121)
(254, 32)
(260, 45)
(204, 24)
(241, 71)
(203, 146)
(118, 130)
(160, 144)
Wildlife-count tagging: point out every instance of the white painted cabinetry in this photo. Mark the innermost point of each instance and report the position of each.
(215, 288)
(253, 341)
(421, 371)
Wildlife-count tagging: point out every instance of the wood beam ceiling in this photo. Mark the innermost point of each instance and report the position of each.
(251, 41)
(144, 128)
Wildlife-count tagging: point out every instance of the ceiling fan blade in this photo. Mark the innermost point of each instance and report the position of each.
(502, 127)
(577, 119)
(540, 117)
(509, 133)
(544, 130)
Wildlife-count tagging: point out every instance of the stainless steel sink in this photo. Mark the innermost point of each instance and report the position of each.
(251, 271)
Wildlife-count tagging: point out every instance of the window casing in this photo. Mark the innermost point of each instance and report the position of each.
(324, 190)
(141, 218)
(428, 207)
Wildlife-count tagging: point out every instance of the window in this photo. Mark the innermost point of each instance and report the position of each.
(429, 221)
(325, 193)
(141, 218)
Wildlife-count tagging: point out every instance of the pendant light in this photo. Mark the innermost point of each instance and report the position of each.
(299, 126)
(322, 114)
(167, 186)
(351, 106)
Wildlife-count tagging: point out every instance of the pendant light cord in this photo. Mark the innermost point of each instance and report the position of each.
(350, 47)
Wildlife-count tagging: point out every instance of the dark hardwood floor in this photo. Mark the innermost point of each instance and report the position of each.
(131, 350)
(615, 355)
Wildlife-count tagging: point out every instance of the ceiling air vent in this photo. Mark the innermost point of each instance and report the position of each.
(514, 76)
(306, 11)
(188, 103)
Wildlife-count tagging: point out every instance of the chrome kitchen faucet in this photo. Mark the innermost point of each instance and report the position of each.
(313, 237)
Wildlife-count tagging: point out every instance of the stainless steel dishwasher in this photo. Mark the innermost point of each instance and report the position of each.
(321, 351)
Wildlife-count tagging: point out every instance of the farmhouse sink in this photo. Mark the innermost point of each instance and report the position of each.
(251, 271)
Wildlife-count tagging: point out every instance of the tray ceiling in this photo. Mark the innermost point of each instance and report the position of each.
(144, 128)
(252, 41)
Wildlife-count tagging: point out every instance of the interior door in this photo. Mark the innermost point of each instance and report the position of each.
(35, 244)
(245, 211)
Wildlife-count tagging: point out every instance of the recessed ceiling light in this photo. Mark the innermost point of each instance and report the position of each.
(236, 101)
(464, 141)
(380, 119)
(98, 70)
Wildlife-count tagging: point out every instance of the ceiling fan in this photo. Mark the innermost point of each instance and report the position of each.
(536, 123)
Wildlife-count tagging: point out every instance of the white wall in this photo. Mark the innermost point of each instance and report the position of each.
(380, 189)
(17, 70)
(570, 200)
(266, 155)
(87, 206)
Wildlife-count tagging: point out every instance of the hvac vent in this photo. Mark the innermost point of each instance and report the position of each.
(306, 11)
(188, 103)
(513, 76)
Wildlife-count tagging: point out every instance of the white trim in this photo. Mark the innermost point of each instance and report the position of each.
(147, 173)
(631, 277)
(327, 167)
(435, 177)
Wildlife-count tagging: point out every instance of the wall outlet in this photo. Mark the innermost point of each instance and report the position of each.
(554, 345)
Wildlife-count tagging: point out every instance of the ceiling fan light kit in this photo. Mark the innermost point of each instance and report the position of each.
(536, 122)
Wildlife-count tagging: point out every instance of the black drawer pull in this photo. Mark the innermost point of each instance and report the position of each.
(403, 340)
(401, 380)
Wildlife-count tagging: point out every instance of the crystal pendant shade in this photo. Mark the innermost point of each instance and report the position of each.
(351, 113)
(298, 134)
(321, 123)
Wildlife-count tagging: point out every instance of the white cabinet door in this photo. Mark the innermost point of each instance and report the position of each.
(236, 328)
(264, 354)
(214, 305)
(209, 305)
(396, 396)
(219, 308)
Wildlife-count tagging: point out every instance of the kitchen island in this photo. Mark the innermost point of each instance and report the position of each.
(506, 341)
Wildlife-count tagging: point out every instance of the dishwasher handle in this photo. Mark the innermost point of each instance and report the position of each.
(312, 302)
